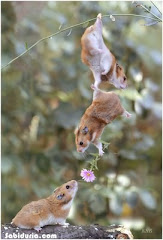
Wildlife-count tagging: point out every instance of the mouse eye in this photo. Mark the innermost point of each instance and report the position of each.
(81, 143)
(59, 197)
(124, 79)
(67, 186)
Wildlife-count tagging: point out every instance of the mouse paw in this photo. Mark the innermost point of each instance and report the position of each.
(66, 224)
(127, 114)
(38, 229)
(99, 15)
(93, 86)
(101, 152)
(104, 72)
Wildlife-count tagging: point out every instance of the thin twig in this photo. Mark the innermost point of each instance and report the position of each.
(150, 24)
(156, 7)
(150, 12)
(65, 29)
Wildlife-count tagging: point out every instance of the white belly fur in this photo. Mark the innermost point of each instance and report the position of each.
(51, 220)
(67, 206)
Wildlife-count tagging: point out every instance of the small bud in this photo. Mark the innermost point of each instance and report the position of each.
(69, 32)
(60, 27)
(112, 18)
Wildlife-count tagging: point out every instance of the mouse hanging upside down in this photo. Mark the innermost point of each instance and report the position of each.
(100, 60)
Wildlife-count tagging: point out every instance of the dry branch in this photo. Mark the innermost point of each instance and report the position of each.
(67, 232)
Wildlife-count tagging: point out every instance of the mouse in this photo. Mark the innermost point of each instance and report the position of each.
(105, 107)
(48, 211)
(99, 58)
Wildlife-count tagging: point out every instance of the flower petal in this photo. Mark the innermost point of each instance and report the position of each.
(87, 175)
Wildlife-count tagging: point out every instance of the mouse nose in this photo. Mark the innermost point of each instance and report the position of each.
(74, 183)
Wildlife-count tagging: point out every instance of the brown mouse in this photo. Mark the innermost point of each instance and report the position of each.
(105, 107)
(98, 57)
(49, 211)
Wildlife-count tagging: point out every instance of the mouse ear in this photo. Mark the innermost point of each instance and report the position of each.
(85, 130)
(59, 197)
(76, 130)
(55, 190)
(117, 67)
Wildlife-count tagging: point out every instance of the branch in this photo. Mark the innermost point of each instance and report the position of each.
(156, 17)
(156, 7)
(70, 28)
(67, 232)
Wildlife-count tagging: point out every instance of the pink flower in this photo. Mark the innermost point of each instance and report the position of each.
(87, 175)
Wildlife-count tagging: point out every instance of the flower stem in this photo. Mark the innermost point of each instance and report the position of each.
(74, 26)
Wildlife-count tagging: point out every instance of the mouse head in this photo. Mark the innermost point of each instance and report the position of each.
(66, 192)
(82, 138)
(121, 77)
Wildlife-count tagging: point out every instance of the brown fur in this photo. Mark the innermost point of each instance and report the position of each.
(98, 57)
(105, 107)
(85, 51)
(32, 213)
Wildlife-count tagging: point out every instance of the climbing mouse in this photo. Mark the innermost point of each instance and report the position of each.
(105, 107)
(49, 211)
(100, 60)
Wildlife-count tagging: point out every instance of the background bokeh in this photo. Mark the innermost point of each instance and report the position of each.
(45, 93)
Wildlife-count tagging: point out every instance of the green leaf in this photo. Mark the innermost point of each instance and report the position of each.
(106, 143)
(26, 45)
(93, 154)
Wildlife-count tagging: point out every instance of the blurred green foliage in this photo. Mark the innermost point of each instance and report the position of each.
(44, 95)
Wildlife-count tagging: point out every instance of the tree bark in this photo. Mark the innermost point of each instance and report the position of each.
(67, 232)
